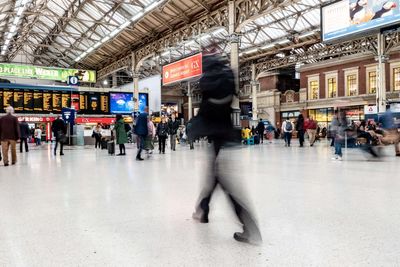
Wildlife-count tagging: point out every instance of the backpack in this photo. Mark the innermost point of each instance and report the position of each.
(127, 127)
(288, 126)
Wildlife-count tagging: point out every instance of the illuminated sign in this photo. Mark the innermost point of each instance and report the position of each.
(348, 17)
(46, 73)
(183, 69)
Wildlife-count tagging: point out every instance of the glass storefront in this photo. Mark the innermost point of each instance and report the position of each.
(324, 116)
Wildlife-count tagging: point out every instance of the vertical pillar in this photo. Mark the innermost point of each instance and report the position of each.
(254, 92)
(381, 92)
(234, 42)
(190, 105)
(114, 80)
(135, 77)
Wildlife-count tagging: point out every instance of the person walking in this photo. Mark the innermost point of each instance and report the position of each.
(38, 136)
(24, 131)
(97, 135)
(311, 126)
(162, 133)
(187, 129)
(59, 130)
(173, 126)
(300, 129)
(9, 135)
(151, 133)
(217, 86)
(287, 129)
(260, 130)
(340, 136)
(141, 131)
(120, 134)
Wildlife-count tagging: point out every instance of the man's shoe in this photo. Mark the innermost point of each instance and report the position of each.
(61, 154)
(120, 154)
(6, 164)
(13, 163)
(245, 238)
(139, 158)
(202, 219)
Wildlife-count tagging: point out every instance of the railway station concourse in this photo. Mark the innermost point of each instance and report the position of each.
(199, 133)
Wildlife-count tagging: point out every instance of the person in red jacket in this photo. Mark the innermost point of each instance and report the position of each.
(311, 126)
(9, 134)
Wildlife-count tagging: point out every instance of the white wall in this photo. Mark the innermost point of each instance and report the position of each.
(152, 86)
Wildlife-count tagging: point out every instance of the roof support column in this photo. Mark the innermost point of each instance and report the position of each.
(254, 92)
(135, 76)
(234, 42)
(381, 91)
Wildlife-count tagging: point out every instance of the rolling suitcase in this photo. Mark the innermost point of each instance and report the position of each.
(256, 139)
(103, 144)
(111, 147)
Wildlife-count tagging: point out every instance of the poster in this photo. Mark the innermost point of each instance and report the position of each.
(143, 102)
(121, 103)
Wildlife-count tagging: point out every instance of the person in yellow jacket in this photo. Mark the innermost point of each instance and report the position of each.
(246, 133)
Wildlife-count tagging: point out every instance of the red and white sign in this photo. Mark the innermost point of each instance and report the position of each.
(95, 120)
(36, 119)
(370, 109)
(183, 69)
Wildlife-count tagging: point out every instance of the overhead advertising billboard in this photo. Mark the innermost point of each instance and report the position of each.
(344, 18)
(143, 102)
(45, 73)
(121, 103)
(183, 69)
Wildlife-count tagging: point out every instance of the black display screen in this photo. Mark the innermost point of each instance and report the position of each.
(57, 101)
(28, 101)
(38, 101)
(47, 101)
(19, 100)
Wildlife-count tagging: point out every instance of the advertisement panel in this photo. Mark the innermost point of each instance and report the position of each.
(121, 103)
(143, 102)
(183, 69)
(348, 17)
(45, 73)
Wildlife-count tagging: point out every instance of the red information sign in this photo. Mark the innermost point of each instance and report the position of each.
(95, 120)
(183, 69)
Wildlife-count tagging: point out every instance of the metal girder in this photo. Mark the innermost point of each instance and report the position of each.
(123, 63)
(318, 52)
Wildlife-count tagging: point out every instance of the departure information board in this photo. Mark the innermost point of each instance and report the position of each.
(82, 101)
(38, 101)
(28, 101)
(75, 101)
(1, 101)
(66, 100)
(56, 101)
(94, 102)
(18, 101)
(47, 101)
(8, 98)
(104, 103)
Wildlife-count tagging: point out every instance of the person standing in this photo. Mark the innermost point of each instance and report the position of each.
(120, 134)
(300, 129)
(260, 130)
(287, 129)
(24, 131)
(141, 131)
(173, 126)
(38, 136)
(187, 129)
(311, 130)
(162, 133)
(59, 130)
(97, 135)
(9, 134)
(214, 121)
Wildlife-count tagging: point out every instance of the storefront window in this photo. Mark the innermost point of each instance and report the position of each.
(351, 85)
(396, 79)
(372, 82)
(332, 88)
(314, 89)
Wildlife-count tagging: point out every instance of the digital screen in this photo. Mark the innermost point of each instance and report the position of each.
(75, 101)
(66, 100)
(93, 102)
(8, 98)
(57, 101)
(143, 102)
(83, 102)
(38, 101)
(348, 17)
(1, 101)
(104, 103)
(47, 101)
(121, 103)
(28, 101)
(19, 100)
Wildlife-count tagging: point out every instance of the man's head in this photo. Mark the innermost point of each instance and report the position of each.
(260, 120)
(163, 119)
(9, 110)
(173, 116)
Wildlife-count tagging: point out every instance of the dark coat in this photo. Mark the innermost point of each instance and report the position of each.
(173, 126)
(300, 123)
(162, 129)
(24, 129)
(58, 126)
(141, 125)
(9, 128)
(260, 128)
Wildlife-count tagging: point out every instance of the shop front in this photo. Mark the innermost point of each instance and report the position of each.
(324, 116)
(44, 123)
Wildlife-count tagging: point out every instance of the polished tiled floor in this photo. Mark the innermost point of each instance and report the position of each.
(91, 209)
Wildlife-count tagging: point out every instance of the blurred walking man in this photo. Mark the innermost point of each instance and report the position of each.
(9, 134)
(214, 121)
(24, 131)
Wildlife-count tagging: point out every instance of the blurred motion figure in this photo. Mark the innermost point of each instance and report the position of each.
(214, 121)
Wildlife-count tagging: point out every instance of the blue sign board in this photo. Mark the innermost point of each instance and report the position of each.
(346, 18)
